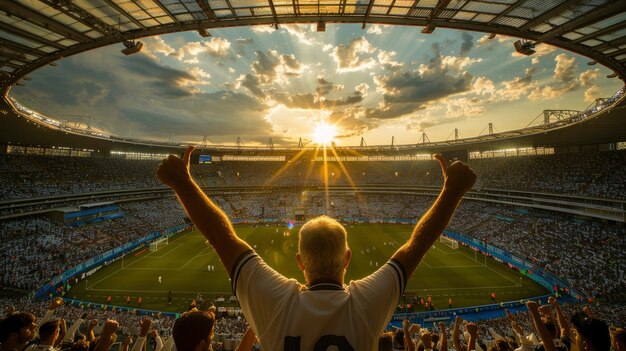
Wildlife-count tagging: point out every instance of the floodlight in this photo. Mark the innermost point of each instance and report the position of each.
(204, 33)
(613, 75)
(492, 35)
(524, 47)
(132, 47)
(321, 26)
(430, 27)
(591, 63)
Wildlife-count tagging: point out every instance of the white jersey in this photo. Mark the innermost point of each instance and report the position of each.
(288, 316)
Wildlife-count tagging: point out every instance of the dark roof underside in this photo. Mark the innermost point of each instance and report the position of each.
(34, 33)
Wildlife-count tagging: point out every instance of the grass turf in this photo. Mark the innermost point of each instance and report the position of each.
(468, 278)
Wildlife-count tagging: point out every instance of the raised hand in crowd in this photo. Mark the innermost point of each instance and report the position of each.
(444, 336)
(472, 330)
(126, 343)
(456, 334)
(90, 334)
(108, 336)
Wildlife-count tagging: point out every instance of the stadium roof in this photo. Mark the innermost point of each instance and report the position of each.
(601, 124)
(34, 33)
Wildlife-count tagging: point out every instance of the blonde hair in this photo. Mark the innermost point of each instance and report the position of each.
(322, 245)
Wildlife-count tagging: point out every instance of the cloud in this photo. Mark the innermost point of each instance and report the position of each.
(140, 97)
(565, 69)
(489, 44)
(156, 45)
(438, 79)
(483, 86)
(216, 47)
(319, 100)
(302, 32)
(269, 68)
(352, 121)
(199, 74)
(467, 44)
(564, 80)
(386, 59)
(263, 28)
(588, 77)
(301, 101)
(205, 116)
(592, 93)
(519, 86)
(159, 80)
(348, 58)
(325, 87)
(375, 30)
(362, 89)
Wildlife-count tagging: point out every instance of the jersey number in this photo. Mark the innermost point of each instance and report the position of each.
(292, 343)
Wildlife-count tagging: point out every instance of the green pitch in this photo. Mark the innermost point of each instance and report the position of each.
(468, 278)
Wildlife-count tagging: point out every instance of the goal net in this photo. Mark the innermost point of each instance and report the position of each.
(157, 244)
(451, 243)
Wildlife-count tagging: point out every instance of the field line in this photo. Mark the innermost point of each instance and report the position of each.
(150, 269)
(170, 250)
(164, 291)
(496, 272)
(122, 268)
(99, 281)
(178, 236)
(193, 258)
(466, 288)
(442, 267)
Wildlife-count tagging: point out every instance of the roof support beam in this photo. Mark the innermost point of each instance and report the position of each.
(21, 48)
(82, 16)
(125, 14)
(9, 64)
(617, 53)
(548, 14)
(437, 10)
(29, 36)
(594, 16)
(42, 21)
(271, 2)
(506, 12)
(167, 11)
(609, 29)
(208, 11)
(611, 44)
(13, 56)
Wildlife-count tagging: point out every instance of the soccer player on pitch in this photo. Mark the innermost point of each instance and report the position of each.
(287, 315)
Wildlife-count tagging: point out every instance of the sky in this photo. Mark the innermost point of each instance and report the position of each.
(255, 83)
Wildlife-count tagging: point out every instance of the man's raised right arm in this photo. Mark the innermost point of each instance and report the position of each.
(458, 179)
(207, 216)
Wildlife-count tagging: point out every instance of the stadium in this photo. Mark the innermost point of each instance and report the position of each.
(84, 220)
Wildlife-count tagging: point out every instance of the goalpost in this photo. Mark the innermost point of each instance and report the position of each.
(157, 244)
(451, 243)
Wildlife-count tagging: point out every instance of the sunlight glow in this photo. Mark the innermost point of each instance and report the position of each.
(324, 134)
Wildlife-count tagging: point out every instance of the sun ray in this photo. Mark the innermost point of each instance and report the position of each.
(285, 167)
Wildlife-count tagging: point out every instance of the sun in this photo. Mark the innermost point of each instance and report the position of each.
(324, 134)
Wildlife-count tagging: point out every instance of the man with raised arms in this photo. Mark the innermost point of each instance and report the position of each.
(324, 312)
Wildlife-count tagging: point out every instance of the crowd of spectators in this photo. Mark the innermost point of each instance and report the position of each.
(599, 174)
(226, 327)
(589, 255)
(37, 176)
(35, 249)
(547, 325)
